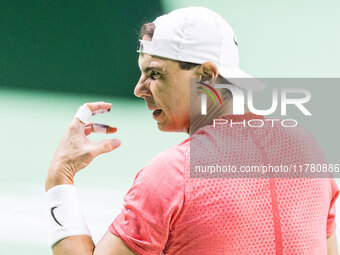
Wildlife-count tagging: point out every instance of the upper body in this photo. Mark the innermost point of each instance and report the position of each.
(166, 210)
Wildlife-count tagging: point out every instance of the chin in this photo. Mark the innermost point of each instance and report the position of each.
(165, 128)
(171, 128)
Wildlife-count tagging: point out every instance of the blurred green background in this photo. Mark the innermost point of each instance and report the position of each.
(78, 46)
(56, 55)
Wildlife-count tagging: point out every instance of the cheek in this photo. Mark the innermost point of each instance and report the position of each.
(157, 90)
(173, 94)
(162, 91)
(183, 93)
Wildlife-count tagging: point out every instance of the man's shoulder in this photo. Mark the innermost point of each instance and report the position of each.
(298, 137)
(173, 157)
(168, 165)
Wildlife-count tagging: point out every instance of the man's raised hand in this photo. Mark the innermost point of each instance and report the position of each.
(75, 150)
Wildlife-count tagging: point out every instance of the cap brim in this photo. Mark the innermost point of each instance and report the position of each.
(241, 79)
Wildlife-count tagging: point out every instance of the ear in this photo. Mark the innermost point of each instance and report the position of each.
(208, 70)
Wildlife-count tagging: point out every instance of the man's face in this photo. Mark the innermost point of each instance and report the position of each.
(166, 91)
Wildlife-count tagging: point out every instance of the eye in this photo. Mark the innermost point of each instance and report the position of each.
(155, 75)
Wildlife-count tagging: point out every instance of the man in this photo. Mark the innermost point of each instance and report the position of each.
(168, 212)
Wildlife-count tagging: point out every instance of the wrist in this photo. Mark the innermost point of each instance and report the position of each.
(56, 178)
(65, 217)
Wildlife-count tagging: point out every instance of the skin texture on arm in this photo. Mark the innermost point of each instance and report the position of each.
(83, 245)
(332, 248)
(112, 245)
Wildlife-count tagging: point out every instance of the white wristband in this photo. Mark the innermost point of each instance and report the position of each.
(65, 217)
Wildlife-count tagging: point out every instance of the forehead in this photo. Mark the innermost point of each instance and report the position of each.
(146, 61)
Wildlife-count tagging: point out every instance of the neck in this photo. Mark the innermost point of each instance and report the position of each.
(212, 113)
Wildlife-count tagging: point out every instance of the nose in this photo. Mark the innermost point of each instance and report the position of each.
(142, 89)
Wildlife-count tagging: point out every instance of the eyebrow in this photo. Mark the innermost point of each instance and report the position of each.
(147, 69)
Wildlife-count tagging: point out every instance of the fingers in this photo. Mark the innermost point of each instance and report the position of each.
(87, 110)
(83, 114)
(105, 146)
(99, 107)
(88, 129)
(99, 128)
(75, 151)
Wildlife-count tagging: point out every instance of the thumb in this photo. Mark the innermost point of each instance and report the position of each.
(105, 146)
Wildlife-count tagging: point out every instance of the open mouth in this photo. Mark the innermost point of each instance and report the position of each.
(156, 113)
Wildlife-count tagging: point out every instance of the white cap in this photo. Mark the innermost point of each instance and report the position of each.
(198, 35)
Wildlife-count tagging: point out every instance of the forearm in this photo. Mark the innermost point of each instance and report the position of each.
(74, 245)
(332, 248)
(68, 232)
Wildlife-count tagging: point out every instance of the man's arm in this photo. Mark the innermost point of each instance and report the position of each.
(73, 154)
(332, 248)
(83, 245)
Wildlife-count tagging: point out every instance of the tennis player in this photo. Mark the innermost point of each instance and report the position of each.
(168, 212)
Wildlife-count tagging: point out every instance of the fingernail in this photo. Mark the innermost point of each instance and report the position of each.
(110, 129)
(115, 143)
